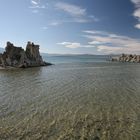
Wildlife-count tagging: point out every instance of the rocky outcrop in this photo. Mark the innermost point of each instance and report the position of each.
(127, 58)
(17, 57)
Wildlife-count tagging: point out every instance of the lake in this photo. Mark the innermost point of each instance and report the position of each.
(81, 97)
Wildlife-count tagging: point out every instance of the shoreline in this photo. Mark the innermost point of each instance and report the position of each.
(10, 67)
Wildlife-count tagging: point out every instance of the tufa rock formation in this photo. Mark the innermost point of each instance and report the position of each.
(17, 57)
(127, 58)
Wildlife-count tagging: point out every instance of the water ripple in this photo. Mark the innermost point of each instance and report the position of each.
(71, 101)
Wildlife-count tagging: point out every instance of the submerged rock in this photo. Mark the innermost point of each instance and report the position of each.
(17, 57)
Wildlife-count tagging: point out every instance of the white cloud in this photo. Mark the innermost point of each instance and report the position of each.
(109, 49)
(137, 26)
(94, 32)
(36, 5)
(112, 43)
(76, 13)
(94, 43)
(137, 2)
(34, 2)
(55, 23)
(71, 9)
(136, 13)
(106, 43)
(74, 45)
(71, 45)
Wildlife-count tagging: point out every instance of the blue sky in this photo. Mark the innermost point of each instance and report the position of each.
(72, 26)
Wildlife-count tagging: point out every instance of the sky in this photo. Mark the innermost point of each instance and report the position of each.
(72, 26)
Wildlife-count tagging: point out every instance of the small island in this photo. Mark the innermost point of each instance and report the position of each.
(17, 57)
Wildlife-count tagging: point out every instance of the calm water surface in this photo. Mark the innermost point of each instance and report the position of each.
(73, 100)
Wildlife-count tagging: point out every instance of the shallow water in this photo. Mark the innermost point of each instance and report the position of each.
(71, 101)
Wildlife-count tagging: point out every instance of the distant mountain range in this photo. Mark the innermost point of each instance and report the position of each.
(47, 54)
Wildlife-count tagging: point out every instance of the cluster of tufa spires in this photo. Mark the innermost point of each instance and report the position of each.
(18, 57)
(127, 58)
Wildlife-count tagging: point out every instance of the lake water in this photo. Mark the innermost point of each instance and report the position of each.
(78, 98)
